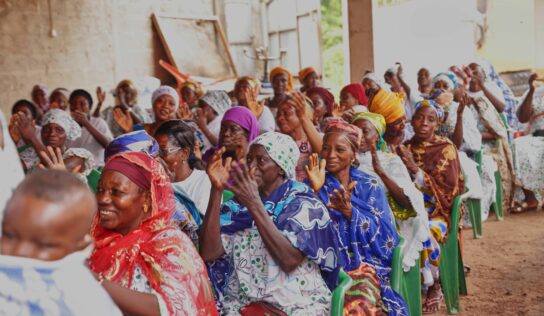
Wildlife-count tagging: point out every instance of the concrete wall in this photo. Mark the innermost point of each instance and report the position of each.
(98, 42)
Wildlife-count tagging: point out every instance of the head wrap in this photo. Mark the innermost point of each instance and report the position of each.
(126, 82)
(325, 95)
(441, 96)
(388, 104)
(462, 76)
(280, 70)
(136, 174)
(83, 93)
(87, 156)
(218, 100)
(243, 117)
(195, 86)
(304, 72)
(433, 105)
(165, 90)
(64, 120)
(377, 120)
(372, 77)
(254, 84)
(357, 91)
(138, 141)
(282, 149)
(351, 132)
(449, 77)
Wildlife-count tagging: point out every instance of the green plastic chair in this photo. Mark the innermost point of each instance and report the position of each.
(407, 284)
(92, 179)
(497, 205)
(452, 274)
(344, 284)
(396, 267)
(475, 212)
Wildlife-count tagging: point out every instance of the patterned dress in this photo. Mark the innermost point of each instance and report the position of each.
(247, 272)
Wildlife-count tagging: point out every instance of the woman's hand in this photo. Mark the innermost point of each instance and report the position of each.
(100, 95)
(14, 130)
(53, 160)
(256, 107)
(218, 172)
(24, 126)
(80, 118)
(376, 162)
(341, 200)
(408, 159)
(184, 113)
(532, 81)
(124, 120)
(300, 105)
(243, 185)
(316, 172)
(200, 119)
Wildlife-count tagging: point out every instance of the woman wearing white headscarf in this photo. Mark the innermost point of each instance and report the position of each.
(211, 108)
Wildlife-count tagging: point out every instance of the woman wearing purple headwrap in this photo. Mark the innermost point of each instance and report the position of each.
(239, 127)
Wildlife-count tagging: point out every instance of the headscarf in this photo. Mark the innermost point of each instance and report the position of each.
(461, 74)
(372, 77)
(433, 105)
(282, 149)
(162, 253)
(351, 132)
(388, 104)
(357, 91)
(165, 90)
(325, 95)
(138, 141)
(245, 118)
(64, 120)
(448, 77)
(136, 174)
(195, 86)
(218, 100)
(87, 156)
(378, 121)
(281, 70)
(83, 93)
(304, 72)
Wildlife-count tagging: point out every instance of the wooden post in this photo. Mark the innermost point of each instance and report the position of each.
(359, 37)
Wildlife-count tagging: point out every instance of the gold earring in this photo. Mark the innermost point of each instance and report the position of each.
(145, 208)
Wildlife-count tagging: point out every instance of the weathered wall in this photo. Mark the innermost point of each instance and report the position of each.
(98, 42)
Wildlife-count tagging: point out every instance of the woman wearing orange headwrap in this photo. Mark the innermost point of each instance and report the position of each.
(388, 104)
(282, 82)
(308, 78)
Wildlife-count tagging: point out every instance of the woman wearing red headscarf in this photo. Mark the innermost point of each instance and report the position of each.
(147, 266)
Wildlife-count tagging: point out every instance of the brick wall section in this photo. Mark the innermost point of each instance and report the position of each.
(99, 42)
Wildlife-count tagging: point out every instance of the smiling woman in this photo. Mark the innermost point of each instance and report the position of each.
(146, 265)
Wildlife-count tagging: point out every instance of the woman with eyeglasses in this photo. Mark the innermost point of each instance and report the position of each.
(176, 142)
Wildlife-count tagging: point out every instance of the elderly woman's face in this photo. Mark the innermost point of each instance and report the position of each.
(287, 118)
(425, 122)
(120, 202)
(370, 135)
(164, 108)
(337, 151)
(396, 127)
(53, 135)
(232, 136)
(266, 170)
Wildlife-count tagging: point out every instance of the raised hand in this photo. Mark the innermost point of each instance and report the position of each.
(376, 162)
(24, 126)
(243, 185)
(100, 95)
(200, 119)
(532, 79)
(408, 159)
(53, 160)
(315, 169)
(14, 130)
(123, 120)
(218, 171)
(184, 113)
(341, 200)
(399, 69)
(80, 118)
(252, 104)
(300, 104)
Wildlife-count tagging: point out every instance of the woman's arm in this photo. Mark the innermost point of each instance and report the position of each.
(81, 119)
(525, 110)
(497, 103)
(101, 96)
(132, 302)
(457, 137)
(209, 239)
(396, 192)
(315, 140)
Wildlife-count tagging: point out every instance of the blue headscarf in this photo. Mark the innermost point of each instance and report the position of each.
(433, 105)
(138, 141)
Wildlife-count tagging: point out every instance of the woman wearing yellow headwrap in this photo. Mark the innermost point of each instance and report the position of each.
(388, 104)
(282, 83)
(405, 200)
(308, 78)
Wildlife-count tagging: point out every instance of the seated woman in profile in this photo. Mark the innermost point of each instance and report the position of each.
(273, 245)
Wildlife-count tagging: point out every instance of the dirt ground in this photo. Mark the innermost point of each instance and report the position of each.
(507, 267)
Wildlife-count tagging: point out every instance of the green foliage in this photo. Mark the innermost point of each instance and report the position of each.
(331, 28)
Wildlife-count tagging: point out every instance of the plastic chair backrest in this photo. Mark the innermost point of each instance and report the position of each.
(344, 284)
(92, 179)
(396, 267)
